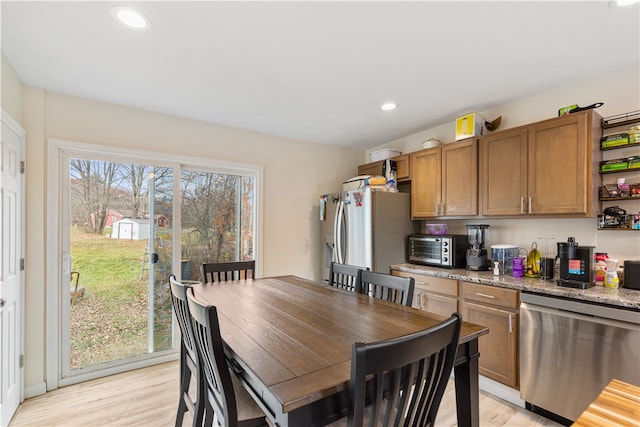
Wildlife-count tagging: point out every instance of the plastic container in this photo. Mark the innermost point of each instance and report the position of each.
(601, 267)
(518, 266)
(431, 142)
(611, 279)
(437, 229)
(504, 255)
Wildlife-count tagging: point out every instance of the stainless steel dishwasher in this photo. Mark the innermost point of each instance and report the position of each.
(570, 350)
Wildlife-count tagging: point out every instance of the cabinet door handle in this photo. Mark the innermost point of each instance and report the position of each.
(510, 324)
(442, 209)
(530, 210)
(485, 295)
(522, 205)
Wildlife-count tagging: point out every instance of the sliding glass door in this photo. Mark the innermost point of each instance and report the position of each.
(125, 222)
(119, 259)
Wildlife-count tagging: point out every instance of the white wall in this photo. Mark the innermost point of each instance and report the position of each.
(620, 92)
(11, 90)
(295, 174)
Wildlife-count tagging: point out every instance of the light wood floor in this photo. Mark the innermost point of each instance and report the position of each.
(149, 397)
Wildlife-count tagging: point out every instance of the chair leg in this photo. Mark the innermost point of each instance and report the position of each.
(199, 410)
(185, 380)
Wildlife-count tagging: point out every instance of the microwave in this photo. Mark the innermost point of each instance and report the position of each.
(449, 251)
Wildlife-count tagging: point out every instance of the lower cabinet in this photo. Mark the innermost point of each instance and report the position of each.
(491, 306)
(497, 309)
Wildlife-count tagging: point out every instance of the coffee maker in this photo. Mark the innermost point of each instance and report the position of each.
(576, 265)
(477, 254)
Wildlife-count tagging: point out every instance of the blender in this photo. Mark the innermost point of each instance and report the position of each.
(477, 254)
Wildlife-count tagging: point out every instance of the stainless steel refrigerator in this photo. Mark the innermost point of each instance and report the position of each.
(365, 227)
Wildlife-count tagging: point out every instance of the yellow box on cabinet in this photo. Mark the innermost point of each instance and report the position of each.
(473, 124)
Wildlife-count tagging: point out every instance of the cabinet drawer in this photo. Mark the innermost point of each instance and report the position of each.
(432, 284)
(437, 304)
(502, 297)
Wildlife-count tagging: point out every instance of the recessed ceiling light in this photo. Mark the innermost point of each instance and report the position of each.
(130, 17)
(388, 106)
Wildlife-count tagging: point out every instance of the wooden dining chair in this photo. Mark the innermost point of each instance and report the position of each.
(222, 271)
(188, 357)
(345, 276)
(408, 375)
(227, 403)
(387, 287)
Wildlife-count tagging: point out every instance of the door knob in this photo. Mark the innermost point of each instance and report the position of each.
(1, 302)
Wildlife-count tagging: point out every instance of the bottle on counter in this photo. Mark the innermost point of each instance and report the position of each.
(601, 267)
(611, 279)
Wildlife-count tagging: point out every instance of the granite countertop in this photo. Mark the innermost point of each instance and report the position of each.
(621, 297)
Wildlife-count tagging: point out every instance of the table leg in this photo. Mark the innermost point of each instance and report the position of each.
(467, 388)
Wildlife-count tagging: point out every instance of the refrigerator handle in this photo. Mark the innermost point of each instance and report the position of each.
(337, 238)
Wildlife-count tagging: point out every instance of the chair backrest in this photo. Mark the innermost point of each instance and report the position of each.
(221, 401)
(181, 308)
(223, 271)
(396, 289)
(345, 276)
(409, 376)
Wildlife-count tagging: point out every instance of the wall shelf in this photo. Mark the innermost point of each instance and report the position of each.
(609, 193)
(635, 144)
(620, 120)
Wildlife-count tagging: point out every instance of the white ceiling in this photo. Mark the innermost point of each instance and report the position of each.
(318, 71)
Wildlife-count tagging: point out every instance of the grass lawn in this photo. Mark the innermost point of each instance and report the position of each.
(111, 321)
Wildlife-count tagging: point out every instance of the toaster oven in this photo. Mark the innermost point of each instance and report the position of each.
(449, 251)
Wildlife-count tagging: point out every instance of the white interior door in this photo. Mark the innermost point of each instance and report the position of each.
(11, 275)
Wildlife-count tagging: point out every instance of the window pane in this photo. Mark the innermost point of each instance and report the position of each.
(217, 219)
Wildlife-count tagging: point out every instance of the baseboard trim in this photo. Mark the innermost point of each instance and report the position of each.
(35, 390)
(502, 391)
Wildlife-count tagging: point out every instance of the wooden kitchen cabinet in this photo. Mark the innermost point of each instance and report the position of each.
(503, 172)
(425, 183)
(445, 180)
(497, 309)
(433, 294)
(403, 171)
(542, 168)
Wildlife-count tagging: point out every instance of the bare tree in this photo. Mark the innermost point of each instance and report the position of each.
(209, 208)
(136, 176)
(95, 182)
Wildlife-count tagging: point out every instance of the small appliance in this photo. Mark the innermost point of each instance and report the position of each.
(576, 265)
(631, 275)
(439, 251)
(476, 254)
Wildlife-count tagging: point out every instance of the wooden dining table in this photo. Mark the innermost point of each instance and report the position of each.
(289, 340)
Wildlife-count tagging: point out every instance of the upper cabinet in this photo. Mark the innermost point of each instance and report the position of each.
(545, 168)
(375, 168)
(444, 180)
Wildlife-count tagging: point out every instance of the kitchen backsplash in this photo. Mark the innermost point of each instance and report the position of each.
(522, 232)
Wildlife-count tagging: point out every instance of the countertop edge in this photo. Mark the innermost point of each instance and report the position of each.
(619, 297)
